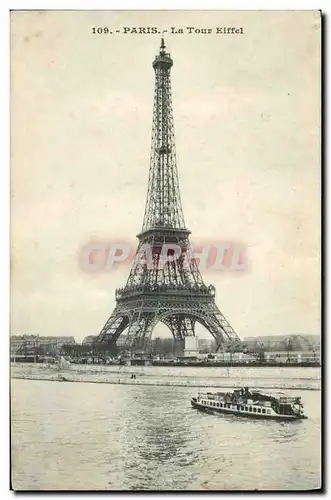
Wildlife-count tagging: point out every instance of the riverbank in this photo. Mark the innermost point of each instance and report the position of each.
(259, 378)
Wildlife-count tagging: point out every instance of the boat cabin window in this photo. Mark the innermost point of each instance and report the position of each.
(250, 408)
(246, 408)
(221, 405)
(259, 410)
(254, 410)
(263, 410)
(218, 405)
(229, 406)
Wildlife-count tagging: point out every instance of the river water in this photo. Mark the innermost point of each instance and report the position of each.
(85, 436)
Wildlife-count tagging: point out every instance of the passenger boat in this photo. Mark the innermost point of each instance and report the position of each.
(244, 403)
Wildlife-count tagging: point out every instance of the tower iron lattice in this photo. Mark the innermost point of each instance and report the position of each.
(169, 290)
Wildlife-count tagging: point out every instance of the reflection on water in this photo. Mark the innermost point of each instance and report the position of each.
(95, 436)
(160, 442)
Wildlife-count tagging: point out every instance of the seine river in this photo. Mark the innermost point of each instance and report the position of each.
(86, 436)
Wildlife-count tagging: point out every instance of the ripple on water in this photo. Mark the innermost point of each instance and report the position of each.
(95, 436)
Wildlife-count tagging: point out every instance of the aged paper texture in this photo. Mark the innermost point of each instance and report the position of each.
(187, 358)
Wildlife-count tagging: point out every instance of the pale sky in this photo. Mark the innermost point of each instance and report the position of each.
(247, 123)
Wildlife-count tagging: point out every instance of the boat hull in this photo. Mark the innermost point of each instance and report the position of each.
(229, 411)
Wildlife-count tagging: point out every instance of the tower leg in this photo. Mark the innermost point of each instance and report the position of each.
(113, 328)
(140, 331)
(214, 321)
(180, 325)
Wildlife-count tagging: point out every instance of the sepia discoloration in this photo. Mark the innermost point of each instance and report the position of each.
(247, 128)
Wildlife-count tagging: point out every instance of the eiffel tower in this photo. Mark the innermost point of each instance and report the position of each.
(170, 290)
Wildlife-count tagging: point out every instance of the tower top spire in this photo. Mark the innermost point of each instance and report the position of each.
(162, 48)
(163, 59)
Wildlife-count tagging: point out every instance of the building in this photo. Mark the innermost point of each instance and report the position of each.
(206, 345)
(282, 343)
(89, 339)
(37, 344)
